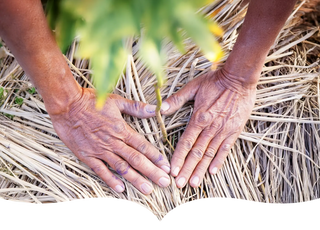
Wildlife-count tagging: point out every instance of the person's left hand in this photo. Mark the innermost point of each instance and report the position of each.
(222, 106)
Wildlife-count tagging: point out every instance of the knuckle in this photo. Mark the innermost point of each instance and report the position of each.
(119, 127)
(207, 135)
(226, 148)
(210, 152)
(97, 168)
(121, 167)
(83, 153)
(196, 153)
(106, 139)
(142, 148)
(136, 160)
(175, 99)
(187, 144)
(202, 119)
(216, 125)
(137, 105)
(156, 158)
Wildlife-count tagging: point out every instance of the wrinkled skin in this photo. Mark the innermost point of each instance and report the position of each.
(96, 137)
(223, 101)
(222, 105)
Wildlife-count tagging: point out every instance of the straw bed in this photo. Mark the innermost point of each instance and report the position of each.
(275, 159)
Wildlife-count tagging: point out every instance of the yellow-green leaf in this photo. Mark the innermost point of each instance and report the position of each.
(103, 25)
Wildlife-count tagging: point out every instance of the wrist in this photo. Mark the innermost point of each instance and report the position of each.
(245, 64)
(38, 53)
(58, 97)
(262, 24)
(236, 82)
(243, 69)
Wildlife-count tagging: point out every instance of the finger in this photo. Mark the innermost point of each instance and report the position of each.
(123, 169)
(200, 152)
(142, 164)
(224, 150)
(139, 143)
(105, 174)
(202, 167)
(194, 157)
(208, 141)
(178, 99)
(134, 108)
(200, 120)
(184, 145)
(207, 158)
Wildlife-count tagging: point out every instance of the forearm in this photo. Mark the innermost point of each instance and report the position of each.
(24, 28)
(262, 25)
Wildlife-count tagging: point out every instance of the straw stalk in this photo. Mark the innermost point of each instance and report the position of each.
(276, 158)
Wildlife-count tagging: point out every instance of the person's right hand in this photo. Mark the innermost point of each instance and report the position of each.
(102, 136)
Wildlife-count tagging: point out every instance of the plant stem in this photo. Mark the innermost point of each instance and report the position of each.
(158, 114)
(159, 118)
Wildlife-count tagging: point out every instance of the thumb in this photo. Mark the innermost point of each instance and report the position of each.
(134, 108)
(178, 99)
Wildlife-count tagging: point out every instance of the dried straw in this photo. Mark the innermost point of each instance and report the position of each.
(276, 158)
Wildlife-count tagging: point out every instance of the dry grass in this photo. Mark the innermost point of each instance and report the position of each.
(276, 158)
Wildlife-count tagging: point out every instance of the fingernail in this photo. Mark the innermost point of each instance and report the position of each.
(195, 181)
(165, 168)
(165, 106)
(214, 170)
(146, 188)
(175, 172)
(150, 108)
(119, 188)
(164, 182)
(181, 181)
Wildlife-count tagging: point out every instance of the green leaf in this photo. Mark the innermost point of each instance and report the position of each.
(9, 116)
(66, 32)
(107, 67)
(177, 39)
(18, 100)
(198, 29)
(32, 90)
(52, 11)
(150, 53)
(1, 92)
(103, 25)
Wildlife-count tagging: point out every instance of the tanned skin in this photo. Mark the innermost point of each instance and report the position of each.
(93, 136)
(223, 100)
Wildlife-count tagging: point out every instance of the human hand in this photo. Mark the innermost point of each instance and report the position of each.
(102, 136)
(222, 105)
